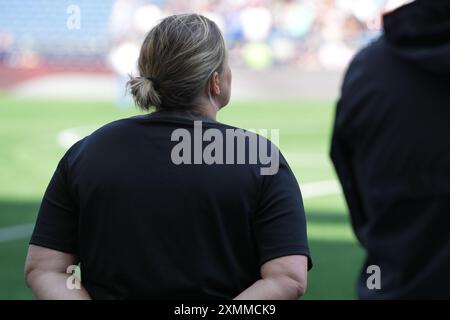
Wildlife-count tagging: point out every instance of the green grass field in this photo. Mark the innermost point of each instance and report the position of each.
(29, 152)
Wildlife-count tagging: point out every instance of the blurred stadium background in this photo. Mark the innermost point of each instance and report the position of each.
(63, 68)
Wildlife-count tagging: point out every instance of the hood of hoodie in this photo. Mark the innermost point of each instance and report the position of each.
(420, 33)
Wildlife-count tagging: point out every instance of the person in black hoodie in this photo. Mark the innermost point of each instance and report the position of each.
(391, 151)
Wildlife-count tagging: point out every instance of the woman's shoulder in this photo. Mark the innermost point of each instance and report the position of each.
(118, 125)
(108, 132)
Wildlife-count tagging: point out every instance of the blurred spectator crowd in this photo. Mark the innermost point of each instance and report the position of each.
(308, 34)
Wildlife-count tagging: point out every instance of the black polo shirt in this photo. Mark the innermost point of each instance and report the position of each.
(145, 227)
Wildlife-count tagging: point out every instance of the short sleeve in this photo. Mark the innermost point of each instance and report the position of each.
(57, 222)
(280, 223)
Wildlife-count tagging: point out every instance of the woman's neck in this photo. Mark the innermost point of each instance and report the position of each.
(198, 112)
(208, 111)
(203, 108)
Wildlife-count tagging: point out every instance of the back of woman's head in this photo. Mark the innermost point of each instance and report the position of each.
(177, 58)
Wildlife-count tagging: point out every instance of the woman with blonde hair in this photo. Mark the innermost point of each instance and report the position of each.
(142, 223)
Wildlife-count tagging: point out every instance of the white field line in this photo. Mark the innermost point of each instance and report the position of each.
(67, 137)
(320, 189)
(309, 190)
(16, 232)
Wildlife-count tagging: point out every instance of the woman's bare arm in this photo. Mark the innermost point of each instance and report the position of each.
(46, 274)
(283, 278)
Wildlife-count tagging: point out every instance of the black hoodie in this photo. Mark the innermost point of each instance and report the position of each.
(391, 151)
(420, 33)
